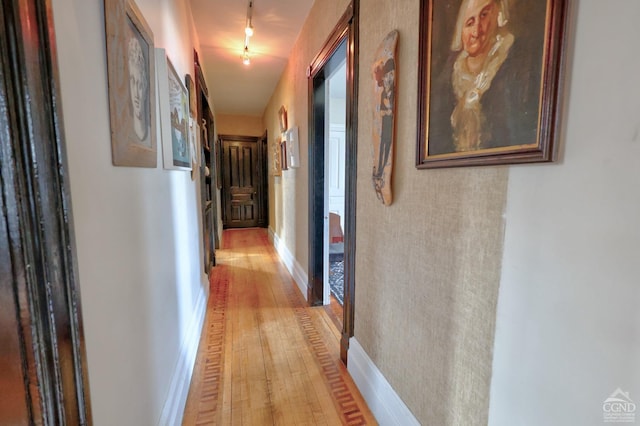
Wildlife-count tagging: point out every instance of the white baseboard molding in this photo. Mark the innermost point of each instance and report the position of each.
(173, 410)
(383, 401)
(297, 272)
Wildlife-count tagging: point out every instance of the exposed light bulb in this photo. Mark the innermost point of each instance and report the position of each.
(248, 30)
(245, 56)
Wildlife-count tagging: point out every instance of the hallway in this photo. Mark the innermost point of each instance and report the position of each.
(265, 357)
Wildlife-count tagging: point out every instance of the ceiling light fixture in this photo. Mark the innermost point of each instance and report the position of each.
(245, 56)
(248, 32)
(248, 29)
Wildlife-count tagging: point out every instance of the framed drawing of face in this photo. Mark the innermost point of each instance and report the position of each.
(132, 94)
(489, 78)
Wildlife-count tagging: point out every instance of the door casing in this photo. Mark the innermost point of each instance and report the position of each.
(42, 350)
(346, 29)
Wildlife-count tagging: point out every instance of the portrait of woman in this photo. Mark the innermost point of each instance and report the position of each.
(485, 75)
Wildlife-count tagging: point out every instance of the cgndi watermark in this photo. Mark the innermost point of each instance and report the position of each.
(619, 408)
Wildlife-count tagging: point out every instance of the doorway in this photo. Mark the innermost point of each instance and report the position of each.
(243, 181)
(340, 50)
(335, 170)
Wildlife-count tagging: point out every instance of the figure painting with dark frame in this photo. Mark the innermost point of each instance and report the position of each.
(487, 81)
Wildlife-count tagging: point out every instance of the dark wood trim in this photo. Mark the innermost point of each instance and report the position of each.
(351, 159)
(315, 284)
(338, 34)
(346, 29)
(36, 220)
(208, 198)
(263, 219)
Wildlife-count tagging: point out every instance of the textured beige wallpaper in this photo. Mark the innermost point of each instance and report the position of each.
(239, 125)
(288, 194)
(428, 266)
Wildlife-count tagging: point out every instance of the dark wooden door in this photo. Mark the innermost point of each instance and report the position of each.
(241, 181)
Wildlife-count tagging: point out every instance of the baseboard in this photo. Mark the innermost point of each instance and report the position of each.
(383, 401)
(173, 410)
(297, 272)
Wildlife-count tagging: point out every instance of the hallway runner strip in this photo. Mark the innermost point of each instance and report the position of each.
(213, 369)
(331, 366)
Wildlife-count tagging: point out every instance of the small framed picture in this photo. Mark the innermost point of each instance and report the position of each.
(277, 157)
(174, 115)
(282, 116)
(283, 155)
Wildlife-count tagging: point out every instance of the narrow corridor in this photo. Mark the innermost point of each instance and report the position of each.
(265, 357)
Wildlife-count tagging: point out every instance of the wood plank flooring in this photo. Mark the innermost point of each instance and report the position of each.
(265, 357)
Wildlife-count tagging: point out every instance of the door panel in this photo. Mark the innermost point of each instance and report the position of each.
(240, 183)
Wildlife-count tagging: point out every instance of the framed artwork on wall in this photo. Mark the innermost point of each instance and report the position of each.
(283, 155)
(194, 147)
(489, 81)
(132, 89)
(174, 115)
(191, 88)
(277, 158)
(282, 119)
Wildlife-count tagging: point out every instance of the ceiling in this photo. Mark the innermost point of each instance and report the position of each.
(235, 88)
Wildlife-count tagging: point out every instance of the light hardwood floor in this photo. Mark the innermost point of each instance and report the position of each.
(265, 357)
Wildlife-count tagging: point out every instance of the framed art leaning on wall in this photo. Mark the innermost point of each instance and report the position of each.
(489, 81)
(132, 89)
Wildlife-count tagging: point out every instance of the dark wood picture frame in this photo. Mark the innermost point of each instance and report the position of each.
(512, 114)
(284, 164)
(131, 73)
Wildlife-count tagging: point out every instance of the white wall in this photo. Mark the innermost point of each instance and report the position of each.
(138, 230)
(568, 321)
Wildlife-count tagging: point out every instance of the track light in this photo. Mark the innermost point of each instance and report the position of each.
(245, 56)
(248, 28)
(248, 32)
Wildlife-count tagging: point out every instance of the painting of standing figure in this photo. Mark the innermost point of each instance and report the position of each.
(488, 83)
(384, 79)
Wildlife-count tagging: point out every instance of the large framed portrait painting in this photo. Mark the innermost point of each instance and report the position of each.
(489, 81)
